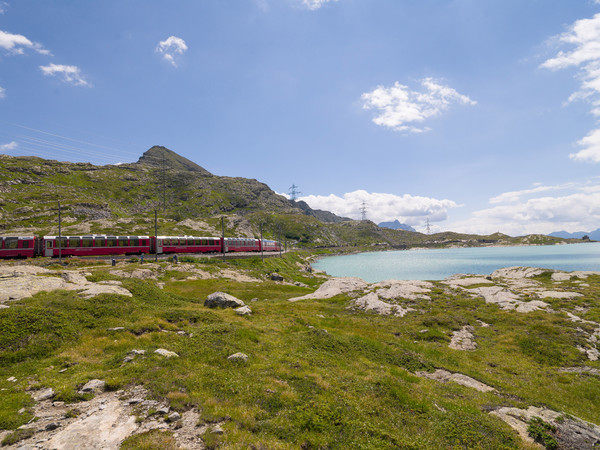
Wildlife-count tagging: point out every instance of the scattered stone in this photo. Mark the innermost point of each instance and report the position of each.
(371, 302)
(105, 428)
(11, 379)
(116, 329)
(44, 394)
(519, 273)
(333, 287)
(507, 300)
(581, 370)
(243, 311)
(483, 324)
(464, 380)
(174, 416)
(63, 370)
(93, 386)
(217, 430)
(238, 357)
(575, 318)
(166, 353)
(463, 339)
(52, 426)
(163, 410)
(571, 432)
(223, 300)
(276, 277)
(559, 294)
(592, 353)
(405, 289)
(461, 280)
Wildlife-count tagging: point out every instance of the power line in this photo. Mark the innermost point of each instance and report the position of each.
(363, 211)
(294, 192)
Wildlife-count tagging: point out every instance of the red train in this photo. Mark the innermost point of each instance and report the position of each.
(102, 245)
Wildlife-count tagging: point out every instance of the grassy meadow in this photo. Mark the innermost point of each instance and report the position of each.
(319, 375)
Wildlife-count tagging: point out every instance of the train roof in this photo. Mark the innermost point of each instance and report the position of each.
(90, 236)
(187, 237)
(18, 237)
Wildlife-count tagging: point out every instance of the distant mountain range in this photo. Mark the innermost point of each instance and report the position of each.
(593, 235)
(396, 225)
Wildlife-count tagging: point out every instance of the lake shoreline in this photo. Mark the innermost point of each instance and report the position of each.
(404, 264)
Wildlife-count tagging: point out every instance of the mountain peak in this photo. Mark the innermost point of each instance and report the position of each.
(159, 157)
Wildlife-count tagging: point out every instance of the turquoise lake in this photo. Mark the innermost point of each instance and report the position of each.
(441, 263)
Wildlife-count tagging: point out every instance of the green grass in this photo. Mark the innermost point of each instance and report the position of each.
(318, 375)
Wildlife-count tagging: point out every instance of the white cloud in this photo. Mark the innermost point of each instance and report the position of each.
(16, 44)
(578, 209)
(591, 148)
(2, 92)
(10, 146)
(3, 6)
(69, 74)
(381, 207)
(584, 38)
(315, 4)
(515, 196)
(171, 48)
(401, 108)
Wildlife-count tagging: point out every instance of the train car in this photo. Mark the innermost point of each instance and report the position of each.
(270, 246)
(241, 245)
(95, 245)
(17, 246)
(185, 244)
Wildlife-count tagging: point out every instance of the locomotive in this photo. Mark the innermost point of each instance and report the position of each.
(105, 245)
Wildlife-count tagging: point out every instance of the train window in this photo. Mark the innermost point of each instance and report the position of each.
(25, 243)
(123, 241)
(74, 242)
(11, 243)
(111, 242)
(87, 242)
(190, 242)
(61, 242)
(134, 242)
(99, 242)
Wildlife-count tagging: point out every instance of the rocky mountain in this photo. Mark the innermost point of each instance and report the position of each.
(159, 157)
(593, 235)
(396, 225)
(187, 199)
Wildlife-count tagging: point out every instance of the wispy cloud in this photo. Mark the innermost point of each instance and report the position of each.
(3, 6)
(583, 38)
(515, 196)
(2, 92)
(572, 207)
(15, 44)
(171, 48)
(10, 146)
(315, 4)
(68, 74)
(412, 210)
(401, 108)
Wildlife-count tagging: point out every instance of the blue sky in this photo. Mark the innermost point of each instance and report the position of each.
(479, 115)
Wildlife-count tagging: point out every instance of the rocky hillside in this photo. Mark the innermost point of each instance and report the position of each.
(189, 200)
